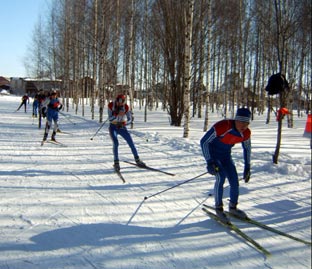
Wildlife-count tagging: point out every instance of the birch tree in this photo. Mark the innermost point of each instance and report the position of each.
(206, 95)
(222, 41)
(189, 9)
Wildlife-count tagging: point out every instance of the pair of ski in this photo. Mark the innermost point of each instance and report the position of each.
(237, 230)
(144, 167)
(53, 142)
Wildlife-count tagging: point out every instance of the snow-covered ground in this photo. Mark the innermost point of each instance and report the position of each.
(64, 207)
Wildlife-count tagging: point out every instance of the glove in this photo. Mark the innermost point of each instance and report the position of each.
(247, 173)
(212, 167)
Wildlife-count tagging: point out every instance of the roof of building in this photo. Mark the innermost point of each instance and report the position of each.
(4, 81)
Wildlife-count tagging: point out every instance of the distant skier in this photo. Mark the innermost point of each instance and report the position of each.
(216, 145)
(25, 99)
(51, 107)
(42, 97)
(35, 106)
(119, 116)
(41, 100)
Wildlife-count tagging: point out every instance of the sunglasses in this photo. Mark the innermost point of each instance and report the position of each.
(120, 100)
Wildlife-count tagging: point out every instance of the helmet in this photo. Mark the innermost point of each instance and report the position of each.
(121, 98)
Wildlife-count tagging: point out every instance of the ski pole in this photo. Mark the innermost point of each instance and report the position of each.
(67, 118)
(186, 181)
(99, 129)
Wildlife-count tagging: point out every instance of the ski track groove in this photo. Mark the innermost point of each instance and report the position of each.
(76, 187)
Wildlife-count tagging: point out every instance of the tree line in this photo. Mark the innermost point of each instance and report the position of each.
(189, 57)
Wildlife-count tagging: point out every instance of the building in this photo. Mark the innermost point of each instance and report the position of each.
(20, 86)
(4, 83)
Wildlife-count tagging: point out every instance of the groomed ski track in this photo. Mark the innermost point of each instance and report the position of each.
(66, 208)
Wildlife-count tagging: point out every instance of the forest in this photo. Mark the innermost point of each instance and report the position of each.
(188, 57)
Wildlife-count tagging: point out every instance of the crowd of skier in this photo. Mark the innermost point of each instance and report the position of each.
(216, 144)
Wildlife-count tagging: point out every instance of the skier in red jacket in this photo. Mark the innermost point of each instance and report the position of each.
(216, 145)
(119, 116)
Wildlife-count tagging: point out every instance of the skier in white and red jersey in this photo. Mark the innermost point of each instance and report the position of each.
(216, 145)
(119, 116)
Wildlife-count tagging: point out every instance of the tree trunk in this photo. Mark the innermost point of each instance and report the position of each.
(187, 64)
(94, 58)
(206, 96)
(132, 61)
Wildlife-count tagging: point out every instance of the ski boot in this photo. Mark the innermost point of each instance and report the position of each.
(139, 162)
(221, 215)
(44, 139)
(237, 212)
(53, 137)
(116, 166)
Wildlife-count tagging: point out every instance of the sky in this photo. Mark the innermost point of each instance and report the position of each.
(18, 20)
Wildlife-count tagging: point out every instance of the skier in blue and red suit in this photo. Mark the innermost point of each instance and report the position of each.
(216, 146)
(119, 116)
(51, 106)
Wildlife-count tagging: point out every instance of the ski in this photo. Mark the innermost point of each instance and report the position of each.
(62, 132)
(238, 231)
(150, 168)
(264, 226)
(120, 176)
(56, 143)
(53, 142)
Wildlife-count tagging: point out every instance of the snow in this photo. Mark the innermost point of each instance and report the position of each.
(63, 207)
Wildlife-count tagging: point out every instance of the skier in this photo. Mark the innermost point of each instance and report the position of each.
(119, 116)
(42, 97)
(25, 98)
(35, 106)
(216, 146)
(51, 107)
(41, 100)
